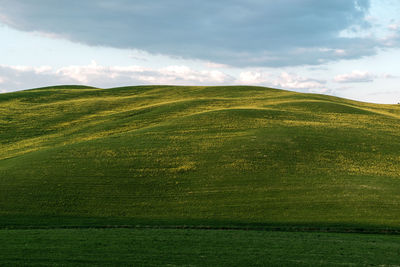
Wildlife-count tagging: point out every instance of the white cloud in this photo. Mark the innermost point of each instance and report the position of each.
(340, 52)
(38, 70)
(356, 76)
(394, 27)
(252, 77)
(291, 81)
(94, 74)
(389, 76)
(184, 73)
(23, 77)
(83, 74)
(21, 68)
(284, 80)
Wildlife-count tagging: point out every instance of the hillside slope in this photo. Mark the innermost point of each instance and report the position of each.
(197, 155)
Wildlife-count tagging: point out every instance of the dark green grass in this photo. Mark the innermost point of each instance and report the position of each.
(161, 247)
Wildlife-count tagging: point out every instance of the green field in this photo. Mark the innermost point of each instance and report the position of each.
(152, 247)
(219, 157)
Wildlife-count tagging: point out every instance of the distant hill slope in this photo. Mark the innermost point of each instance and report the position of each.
(197, 155)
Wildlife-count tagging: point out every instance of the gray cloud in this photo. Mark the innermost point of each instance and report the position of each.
(234, 32)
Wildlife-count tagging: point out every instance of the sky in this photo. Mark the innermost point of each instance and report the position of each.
(345, 48)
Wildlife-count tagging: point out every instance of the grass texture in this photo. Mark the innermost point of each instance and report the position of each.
(154, 247)
(213, 156)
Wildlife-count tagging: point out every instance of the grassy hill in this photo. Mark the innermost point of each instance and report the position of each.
(212, 156)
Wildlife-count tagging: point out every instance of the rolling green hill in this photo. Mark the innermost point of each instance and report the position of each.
(211, 156)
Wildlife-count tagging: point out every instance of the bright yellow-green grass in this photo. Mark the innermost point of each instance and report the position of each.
(211, 156)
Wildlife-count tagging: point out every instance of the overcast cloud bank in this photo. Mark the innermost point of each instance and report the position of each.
(234, 32)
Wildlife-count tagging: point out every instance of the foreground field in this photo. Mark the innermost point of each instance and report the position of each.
(160, 247)
(214, 156)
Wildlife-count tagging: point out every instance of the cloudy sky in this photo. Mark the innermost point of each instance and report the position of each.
(347, 48)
